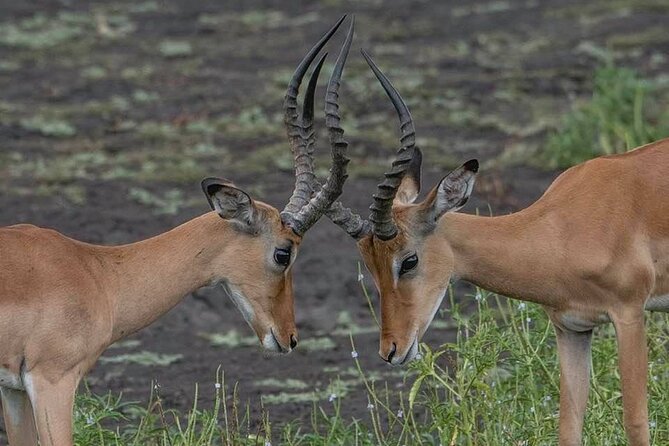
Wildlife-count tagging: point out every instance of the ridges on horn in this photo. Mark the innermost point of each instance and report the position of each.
(381, 217)
(408, 159)
(298, 130)
(332, 188)
(309, 201)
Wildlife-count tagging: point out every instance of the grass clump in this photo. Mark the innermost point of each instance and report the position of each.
(49, 127)
(175, 48)
(145, 358)
(155, 425)
(41, 32)
(624, 112)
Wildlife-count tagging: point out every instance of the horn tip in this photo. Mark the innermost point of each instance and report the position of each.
(472, 165)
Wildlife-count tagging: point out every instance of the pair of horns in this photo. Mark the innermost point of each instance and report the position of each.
(310, 200)
(408, 158)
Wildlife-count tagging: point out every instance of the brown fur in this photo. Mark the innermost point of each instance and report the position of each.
(594, 248)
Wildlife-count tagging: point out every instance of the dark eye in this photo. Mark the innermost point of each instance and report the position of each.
(282, 256)
(408, 264)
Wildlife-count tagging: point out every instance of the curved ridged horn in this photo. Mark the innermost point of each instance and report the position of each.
(349, 221)
(381, 217)
(298, 131)
(334, 184)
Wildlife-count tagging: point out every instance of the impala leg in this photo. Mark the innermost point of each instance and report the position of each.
(53, 403)
(575, 360)
(18, 415)
(633, 362)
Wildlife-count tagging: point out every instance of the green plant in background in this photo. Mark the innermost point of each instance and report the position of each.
(175, 48)
(40, 31)
(49, 127)
(143, 358)
(624, 112)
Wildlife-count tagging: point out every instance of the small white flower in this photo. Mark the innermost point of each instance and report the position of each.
(532, 409)
(370, 407)
(521, 306)
(268, 443)
(354, 354)
(90, 420)
(400, 413)
(217, 385)
(360, 277)
(528, 320)
(652, 424)
(479, 296)
(655, 378)
(332, 397)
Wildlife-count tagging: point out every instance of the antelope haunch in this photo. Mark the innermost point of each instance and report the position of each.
(63, 302)
(594, 249)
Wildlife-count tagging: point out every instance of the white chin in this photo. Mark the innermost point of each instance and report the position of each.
(410, 355)
(270, 344)
(413, 353)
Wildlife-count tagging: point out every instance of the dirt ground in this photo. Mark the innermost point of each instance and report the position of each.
(112, 112)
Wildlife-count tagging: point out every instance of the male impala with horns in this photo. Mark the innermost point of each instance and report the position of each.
(63, 302)
(593, 250)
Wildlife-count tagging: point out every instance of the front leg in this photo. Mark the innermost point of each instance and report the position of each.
(633, 363)
(53, 402)
(18, 415)
(574, 352)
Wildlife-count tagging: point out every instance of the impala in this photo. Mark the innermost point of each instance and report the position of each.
(63, 302)
(594, 249)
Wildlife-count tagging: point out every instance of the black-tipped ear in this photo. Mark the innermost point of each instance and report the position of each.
(451, 193)
(410, 186)
(231, 203)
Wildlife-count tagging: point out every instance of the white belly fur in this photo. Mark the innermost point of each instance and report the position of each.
(10, 380)
(658, 303)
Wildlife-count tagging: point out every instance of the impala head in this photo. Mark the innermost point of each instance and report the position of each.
(411, 265)
(256, 271)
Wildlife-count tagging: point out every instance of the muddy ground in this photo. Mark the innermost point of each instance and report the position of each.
(112, 112)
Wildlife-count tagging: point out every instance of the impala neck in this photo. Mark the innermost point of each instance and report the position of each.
(154, 275)
(514, 255)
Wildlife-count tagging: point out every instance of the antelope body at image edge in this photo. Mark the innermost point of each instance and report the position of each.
(593, 249)
(63, 302)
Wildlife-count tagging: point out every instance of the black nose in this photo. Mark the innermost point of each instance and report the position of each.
(293, 341)
(392, 353)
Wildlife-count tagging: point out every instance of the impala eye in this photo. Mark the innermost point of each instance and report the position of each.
(408, 264)
(282, 256)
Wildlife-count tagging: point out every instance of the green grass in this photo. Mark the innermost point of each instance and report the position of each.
(175, 48)
(41, 32)
(496, 384)
(143, 358)
(625, 112)
(49, 127)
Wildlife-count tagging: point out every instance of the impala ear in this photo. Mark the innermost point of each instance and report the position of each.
(451, 193)
(232, 204)
(410, 186)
